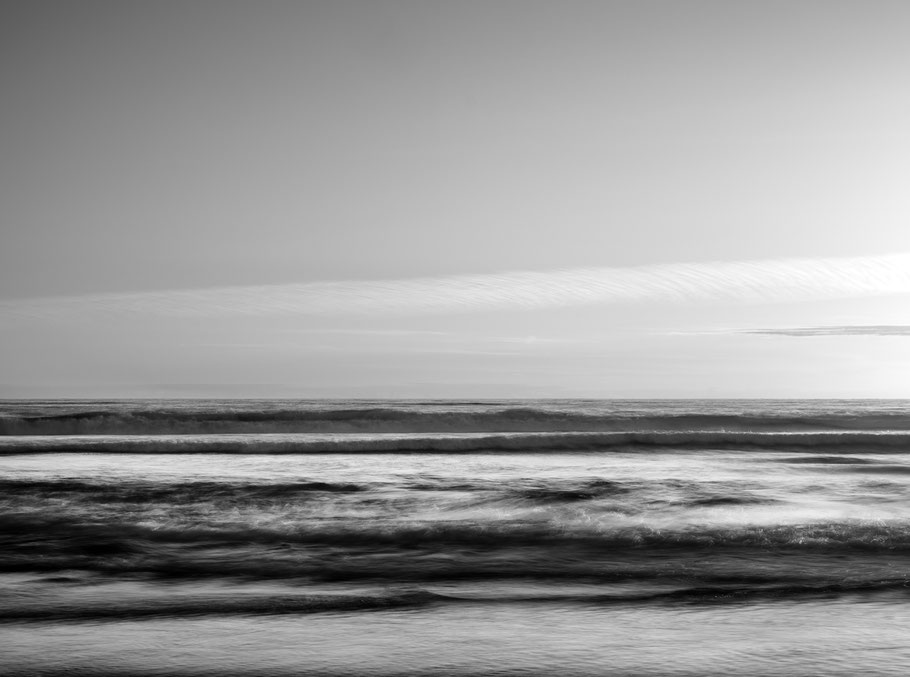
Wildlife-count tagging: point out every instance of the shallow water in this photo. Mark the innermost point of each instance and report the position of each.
(828, 637)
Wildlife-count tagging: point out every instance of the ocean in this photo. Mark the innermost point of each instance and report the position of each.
(531, 537)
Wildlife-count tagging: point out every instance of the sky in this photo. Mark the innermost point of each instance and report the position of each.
(423, 199)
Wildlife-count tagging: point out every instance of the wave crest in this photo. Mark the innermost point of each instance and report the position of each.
(220, 418)
(852, 441)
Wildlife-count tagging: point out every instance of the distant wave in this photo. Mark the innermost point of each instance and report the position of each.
(163, 421)
(850, 441)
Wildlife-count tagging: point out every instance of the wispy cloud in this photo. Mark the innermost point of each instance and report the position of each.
(843, 330)
(360, 331)
(778, 280)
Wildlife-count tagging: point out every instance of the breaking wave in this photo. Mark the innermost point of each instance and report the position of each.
(61, 536)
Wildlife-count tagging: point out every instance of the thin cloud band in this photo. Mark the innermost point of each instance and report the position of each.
(768, 281)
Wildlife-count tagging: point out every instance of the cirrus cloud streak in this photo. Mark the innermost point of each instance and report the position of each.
(766, 281)
(842, 330)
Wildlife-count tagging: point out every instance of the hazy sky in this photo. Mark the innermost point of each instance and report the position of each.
(455, 199)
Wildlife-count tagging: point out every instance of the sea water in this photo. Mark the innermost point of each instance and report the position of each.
(464, 538)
